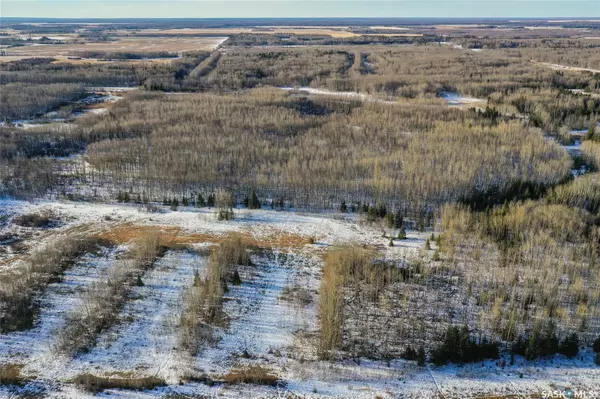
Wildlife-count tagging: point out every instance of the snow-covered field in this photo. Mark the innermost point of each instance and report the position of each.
(265, 326)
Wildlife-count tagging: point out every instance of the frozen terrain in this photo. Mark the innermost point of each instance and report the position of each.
(265, 326)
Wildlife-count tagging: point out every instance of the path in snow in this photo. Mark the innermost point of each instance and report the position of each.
(347, 94)
(261, 323)
(34, 347)
(146, 338)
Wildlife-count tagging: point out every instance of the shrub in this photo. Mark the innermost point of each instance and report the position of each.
(10, 374)
(409, 353)
(459, 347)
(42, 219)
(102, 302)
(95, 384)
(204, 300)
(343, 207)
(20, 287)
(402, 234)
(542, 343)
(569, 346)
(596, 345)
(256, 375)
(253, 202)
(421, 358)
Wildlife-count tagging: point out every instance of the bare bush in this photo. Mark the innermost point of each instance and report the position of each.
(95, 384)
(340, 265)
(37, 219)
(10, 374)
(257, 375)
(204, 300)
(102, 302)
(20, 286)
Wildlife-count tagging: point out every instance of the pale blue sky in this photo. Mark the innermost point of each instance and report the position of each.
(297, 8)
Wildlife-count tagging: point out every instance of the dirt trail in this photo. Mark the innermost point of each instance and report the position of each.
(558, 67)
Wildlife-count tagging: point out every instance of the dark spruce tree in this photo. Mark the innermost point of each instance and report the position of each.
(343, 207)
(253, 202)
(569, 346)
(200, 201)
(398, 220)
(210, 202)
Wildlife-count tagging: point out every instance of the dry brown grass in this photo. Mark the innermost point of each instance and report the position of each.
(93, 383)
(204, 300)
(174, 237)
(102, 301)
(256, 375)
(21, 285)
(10, 374)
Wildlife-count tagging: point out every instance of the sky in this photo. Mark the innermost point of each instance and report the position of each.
(298, 8)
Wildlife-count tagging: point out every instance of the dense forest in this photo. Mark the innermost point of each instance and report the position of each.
(402, 146)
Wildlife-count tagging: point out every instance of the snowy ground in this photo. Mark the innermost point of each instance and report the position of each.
(345, 94)
(455, 99)
(265, 326)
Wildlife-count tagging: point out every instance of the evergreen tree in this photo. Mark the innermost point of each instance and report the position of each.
(591, 133)
(343, 207)
(253, 202)
(174, 204)
(519, 347)
(460, 347)
(421, 356)
(398, 220)
(200, 201)
(184, 201)
(596, 346)
(542, 343)
(235, 278)
(390, 220)
(372, 213)
(402, 234)
(569, 346)
(409, 354)
(211, 201)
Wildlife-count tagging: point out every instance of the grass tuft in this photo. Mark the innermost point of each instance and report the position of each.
(95, 384)
(256, 375)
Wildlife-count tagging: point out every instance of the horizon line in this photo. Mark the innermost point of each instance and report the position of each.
(579, 18)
